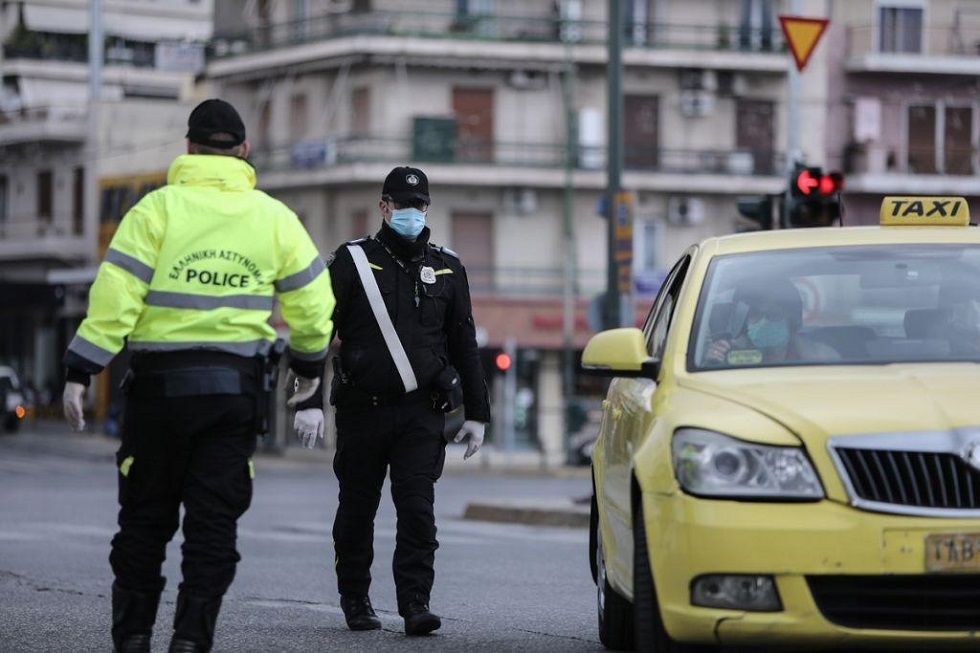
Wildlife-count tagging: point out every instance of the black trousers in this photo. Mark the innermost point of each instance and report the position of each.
(407, 439)
(193, 451)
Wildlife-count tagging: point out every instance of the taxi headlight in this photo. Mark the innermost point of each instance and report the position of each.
(711, 464)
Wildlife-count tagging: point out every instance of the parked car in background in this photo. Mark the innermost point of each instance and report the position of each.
(12, 399)
(789, 452)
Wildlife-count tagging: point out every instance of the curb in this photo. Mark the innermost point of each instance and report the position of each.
(567, 514)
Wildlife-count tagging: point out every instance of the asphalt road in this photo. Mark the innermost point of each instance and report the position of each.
(499, 587)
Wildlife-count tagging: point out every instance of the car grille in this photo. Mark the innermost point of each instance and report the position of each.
(933, 603)
(911, 478)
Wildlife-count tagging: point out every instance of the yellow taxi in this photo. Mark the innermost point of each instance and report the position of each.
(789, 450)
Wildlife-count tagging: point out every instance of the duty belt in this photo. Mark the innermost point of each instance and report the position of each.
(357, 398)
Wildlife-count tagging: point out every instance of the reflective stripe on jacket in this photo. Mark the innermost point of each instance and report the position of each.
(199, 262)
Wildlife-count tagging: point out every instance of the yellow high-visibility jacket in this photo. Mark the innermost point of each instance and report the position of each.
(197, 264)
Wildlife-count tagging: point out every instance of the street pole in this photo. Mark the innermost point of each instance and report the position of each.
(570, 285)
(793, 149)
(614, 159)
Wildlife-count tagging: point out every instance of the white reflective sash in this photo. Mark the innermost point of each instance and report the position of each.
(384, 321)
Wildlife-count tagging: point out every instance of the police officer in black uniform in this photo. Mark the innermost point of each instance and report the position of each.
(380, 425)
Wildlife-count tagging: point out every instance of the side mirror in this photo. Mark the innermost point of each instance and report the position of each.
(619, 352)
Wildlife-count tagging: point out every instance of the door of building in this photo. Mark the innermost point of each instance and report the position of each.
(473, 108)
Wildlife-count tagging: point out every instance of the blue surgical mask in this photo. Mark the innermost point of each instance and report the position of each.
(408, 223)
(768, 334)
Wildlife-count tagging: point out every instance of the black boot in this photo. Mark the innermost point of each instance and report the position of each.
(359, 613)
(194, 622)
(418, 619)
(133, 616)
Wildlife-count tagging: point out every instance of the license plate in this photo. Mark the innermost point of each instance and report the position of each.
(952, 551)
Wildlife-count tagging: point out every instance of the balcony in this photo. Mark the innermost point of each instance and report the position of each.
(496, 163)
(529, 38)
(51, 124)
(952, 49)
(35, 238)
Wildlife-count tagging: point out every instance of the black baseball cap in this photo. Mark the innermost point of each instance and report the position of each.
(406, 184)
(215, 117)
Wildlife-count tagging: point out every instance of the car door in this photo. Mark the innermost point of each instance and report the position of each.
(626, 415)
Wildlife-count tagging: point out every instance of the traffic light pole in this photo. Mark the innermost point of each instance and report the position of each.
(793, 148)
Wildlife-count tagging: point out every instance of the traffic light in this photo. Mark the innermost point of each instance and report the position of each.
(813, 199)
(502, 361)
(757, 208)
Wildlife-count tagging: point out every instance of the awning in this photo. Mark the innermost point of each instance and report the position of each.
(61, 20)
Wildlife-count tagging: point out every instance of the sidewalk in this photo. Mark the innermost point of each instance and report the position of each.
(54, 436)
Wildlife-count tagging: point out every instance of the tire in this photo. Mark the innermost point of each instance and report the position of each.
(593, 538)
(11, 423)
(650, 634)
(615, 613)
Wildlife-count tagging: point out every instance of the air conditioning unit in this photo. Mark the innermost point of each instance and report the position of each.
(697, 79)
(697, 104)
(685, 211)
(520, 201)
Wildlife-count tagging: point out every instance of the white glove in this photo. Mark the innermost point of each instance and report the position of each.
(308, 424)
(473, 431)
(303, 389)
(72, 400)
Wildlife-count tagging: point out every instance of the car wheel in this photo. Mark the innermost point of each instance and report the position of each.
(651, 636)
(615, 612)
(11, 424)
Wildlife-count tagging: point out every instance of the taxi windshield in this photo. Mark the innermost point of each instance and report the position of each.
(869, 305)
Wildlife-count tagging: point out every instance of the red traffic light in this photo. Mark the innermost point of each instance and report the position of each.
(502, 361)
(812, 182)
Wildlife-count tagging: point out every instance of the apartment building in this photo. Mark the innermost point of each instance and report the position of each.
(504, 104)
(903, 100)
(73, 159)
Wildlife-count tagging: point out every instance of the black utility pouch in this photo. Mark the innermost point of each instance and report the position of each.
(339, 381)
(447, 390)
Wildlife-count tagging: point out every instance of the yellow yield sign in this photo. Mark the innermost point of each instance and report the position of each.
(802, 35)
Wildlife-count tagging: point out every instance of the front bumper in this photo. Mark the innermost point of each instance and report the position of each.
(829, 543)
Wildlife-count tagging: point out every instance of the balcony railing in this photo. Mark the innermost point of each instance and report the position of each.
(530, 27)
(32, 226)
(313, 154)
(44, 123)
(955, 40)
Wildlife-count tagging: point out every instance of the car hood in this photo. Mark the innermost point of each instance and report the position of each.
(819, 402)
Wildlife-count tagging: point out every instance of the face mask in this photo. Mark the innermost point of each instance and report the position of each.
(766, 334)
(407, 223)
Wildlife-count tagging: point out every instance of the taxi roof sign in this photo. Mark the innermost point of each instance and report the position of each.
(925, 211)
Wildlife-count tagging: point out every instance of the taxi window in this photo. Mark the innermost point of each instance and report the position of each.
(841, 305)
(658, 321)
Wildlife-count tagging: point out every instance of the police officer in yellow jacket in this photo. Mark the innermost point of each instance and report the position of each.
(189, 282)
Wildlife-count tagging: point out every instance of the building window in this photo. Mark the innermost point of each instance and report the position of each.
(3, 202)
(647, 271)
(940, 139)
(45, 195)
(299, 117)
(78, 202)
(360, 123)
(472, 234)
(756, 25)
(900, 29)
